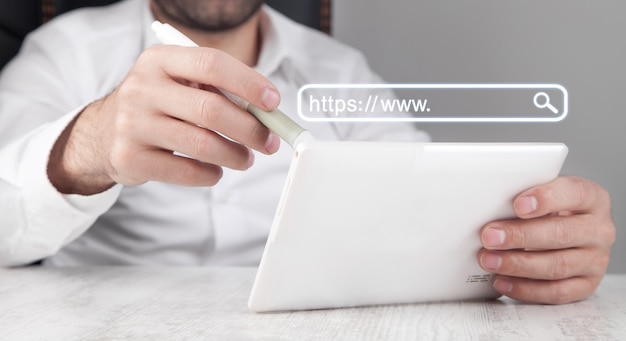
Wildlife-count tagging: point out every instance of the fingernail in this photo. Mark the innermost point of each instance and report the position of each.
(493, 237)
(270, 98)
(525, 205)
(272, 143)
(503, 286)
(491, 261)
(250, 159)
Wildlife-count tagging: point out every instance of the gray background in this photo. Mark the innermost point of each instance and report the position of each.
(577, 43)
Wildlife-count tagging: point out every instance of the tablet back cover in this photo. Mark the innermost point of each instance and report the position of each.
(381, 223)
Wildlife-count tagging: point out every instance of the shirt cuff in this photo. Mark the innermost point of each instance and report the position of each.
(54, 219)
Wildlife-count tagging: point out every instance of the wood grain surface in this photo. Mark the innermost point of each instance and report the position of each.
(163, 303)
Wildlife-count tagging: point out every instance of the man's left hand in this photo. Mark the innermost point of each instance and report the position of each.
(558, 250)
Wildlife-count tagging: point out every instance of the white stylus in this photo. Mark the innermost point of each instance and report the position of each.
(275, 120)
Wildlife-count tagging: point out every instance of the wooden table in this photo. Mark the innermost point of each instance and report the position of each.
(154, 303)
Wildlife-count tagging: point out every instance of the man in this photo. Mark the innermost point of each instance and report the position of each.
(91, 113)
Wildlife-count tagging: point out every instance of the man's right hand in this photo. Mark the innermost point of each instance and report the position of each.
(167, 103)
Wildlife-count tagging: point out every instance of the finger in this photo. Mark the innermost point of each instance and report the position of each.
(217, 68)
(562, 194)
(546, 292)
(198, 143)
(547, 265)
(550, 232)
(215, 112)
(158, 165)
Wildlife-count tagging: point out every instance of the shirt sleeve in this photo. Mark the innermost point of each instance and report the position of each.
(37, 220)
(37, 101)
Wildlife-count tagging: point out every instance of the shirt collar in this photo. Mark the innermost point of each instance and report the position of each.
(149, 38)
(273, 50)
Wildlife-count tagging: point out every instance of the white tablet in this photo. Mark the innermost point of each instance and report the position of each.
(364, 223)
(378, 223)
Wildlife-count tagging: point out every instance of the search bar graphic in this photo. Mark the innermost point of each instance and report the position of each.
(433, 102)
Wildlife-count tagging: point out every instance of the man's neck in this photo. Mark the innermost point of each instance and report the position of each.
(241, 42)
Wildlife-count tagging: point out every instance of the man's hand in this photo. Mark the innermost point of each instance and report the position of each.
(167, 103)
(559, 249)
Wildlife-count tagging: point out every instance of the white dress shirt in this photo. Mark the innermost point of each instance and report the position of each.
(82, 56)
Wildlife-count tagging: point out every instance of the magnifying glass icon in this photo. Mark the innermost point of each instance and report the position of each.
(546, 104)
